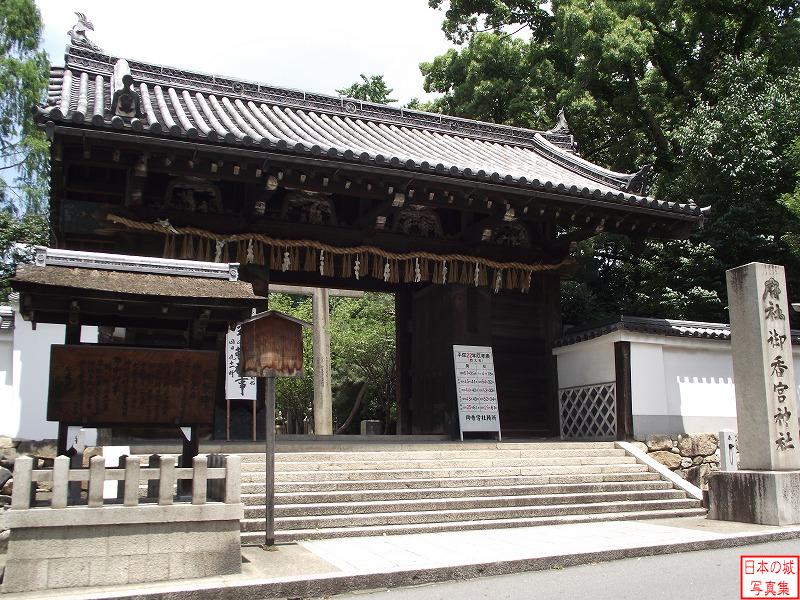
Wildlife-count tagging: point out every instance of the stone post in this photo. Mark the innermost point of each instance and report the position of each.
(763, 369)
(766, 489)
(323, 404)
(728, 460)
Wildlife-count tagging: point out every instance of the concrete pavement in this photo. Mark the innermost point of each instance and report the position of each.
(318, 568)
(706, 574)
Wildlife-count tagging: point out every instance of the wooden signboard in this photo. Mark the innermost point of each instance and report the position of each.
(476, 389)
(106, 385)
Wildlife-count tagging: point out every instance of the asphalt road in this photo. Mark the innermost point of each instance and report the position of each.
(703, 575)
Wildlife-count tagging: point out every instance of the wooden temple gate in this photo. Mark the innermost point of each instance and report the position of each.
(469, 225)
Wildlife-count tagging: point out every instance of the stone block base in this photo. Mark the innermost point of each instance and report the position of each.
(764, 497)
(157, 543)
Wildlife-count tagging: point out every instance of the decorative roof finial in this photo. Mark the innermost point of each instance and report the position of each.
(77, 34)
(639, 182)
(561, 125)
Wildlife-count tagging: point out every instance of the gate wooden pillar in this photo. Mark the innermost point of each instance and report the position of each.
(403, 350)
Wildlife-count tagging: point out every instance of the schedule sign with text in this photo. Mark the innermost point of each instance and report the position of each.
(476, 389)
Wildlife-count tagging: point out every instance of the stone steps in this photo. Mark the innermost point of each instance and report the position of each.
(471, 514)
(463, 503)
(461, 463)
(424, 483)
(257, 537)
(438, 473)
(475, 491)
(407, 488)
(383, 456)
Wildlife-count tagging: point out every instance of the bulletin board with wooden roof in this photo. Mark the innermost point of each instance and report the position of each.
(166, 368)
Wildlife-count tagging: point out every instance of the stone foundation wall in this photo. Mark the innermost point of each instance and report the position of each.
(43, 452)
(8, 452)
(42, 558)
(692, 456)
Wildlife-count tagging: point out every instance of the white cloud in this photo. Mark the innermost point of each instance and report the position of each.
(314, 45)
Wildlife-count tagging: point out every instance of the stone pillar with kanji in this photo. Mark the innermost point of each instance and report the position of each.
(766, 488)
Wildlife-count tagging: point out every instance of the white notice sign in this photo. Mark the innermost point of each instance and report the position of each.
(236, 386)
(476, 389)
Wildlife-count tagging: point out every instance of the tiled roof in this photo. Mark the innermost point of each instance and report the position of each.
(181, 104)
(139, 284)
(141, 275)
(6, 318)
(669, 327)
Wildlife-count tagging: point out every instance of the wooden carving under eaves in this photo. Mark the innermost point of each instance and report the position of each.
(510, 233)
(418, 221)
(193, 194)
(308, 207)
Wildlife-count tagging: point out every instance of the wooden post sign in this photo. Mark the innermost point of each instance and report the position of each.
(476, 389)
(272, 346)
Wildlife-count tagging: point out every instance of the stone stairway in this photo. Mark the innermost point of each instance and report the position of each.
(360, 490)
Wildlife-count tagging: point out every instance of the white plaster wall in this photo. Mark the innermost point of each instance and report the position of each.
(681, 386)
(648, 395)
(23, 387)
(678, 385)
(6, 372)
(699, 382)
(586, 363)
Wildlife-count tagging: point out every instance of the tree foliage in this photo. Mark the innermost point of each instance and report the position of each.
(23, 148)
(362, 350)
(16, 233)
(704, 91)
(371, 88)
(23, 80)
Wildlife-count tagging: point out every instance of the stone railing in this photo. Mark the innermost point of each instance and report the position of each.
(161, 476)
(72, 541)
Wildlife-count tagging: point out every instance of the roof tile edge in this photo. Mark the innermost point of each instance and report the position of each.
(99, 62)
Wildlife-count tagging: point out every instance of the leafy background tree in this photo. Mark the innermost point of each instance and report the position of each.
(706, 92)
(362, 351)
(371, 88)
(23, 148)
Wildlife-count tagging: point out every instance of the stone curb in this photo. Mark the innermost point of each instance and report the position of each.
(676, 480)
(317, 586)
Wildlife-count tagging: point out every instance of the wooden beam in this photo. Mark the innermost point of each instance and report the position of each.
(622, 368)
(301, 290)
(368, 220)
(369, 170)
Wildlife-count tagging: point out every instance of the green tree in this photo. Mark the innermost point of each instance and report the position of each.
(363, 350)
(23, 80)
(371, 88)
(704, 91)
(15, 234)
(23, 148)
(627, 71)
(791, 200)
(493, 78)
